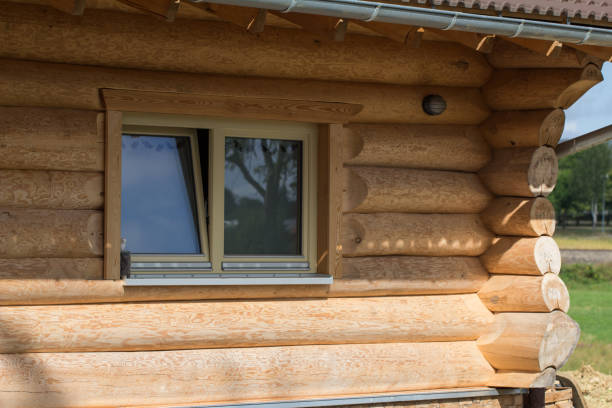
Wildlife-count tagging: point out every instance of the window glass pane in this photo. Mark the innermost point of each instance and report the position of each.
(263, 196)
(158, 204)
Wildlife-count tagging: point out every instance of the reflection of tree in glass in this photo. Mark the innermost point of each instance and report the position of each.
(266, 221)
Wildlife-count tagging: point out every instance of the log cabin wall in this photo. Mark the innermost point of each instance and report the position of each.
(423, 224)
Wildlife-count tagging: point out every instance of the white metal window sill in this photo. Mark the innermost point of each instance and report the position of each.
(212, 279)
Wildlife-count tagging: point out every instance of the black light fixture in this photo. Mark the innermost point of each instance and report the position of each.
(434, 105)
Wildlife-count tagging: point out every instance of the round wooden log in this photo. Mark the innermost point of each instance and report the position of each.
(197, 325)
(525, 89)
(524, 128)
(414, 234)
(221, 47)
(522, 256)
(27, 83)
(51, 139)
(522, 172)
(50, 233)
(509, 55)
(51, 268)
(522, 379)
(515, 293)
(47, 380)
(51, 189)
(415, 146)
(530, 341)
(531, 217)
(377, 189)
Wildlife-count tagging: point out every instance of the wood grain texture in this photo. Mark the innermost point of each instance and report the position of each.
(51, 268)
(526, 89)
(530, 217)
(74, 7)
(523, 379)
(165, 9)
(51, 139)
(112, 186)
(414, 234)
(530, 341)
(47, 380)
(40, 84)
(50, 233)
(51, 189)
(522, 256)
(202, 325)
(361, 277)
(377, 189)
(514, 293)
(521, 171)
(427, 147)
(133, 41)
(524, 128)
(506, 54)
(229, 106)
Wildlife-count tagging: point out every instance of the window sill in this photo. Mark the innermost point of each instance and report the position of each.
(228, 279)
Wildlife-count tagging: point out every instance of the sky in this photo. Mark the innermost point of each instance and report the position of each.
(593, 110)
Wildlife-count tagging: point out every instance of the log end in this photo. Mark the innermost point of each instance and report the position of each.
(522, 379)
(355, 190)
(547, 255)
(542, 214)
(543, 171)
(552, 128)
(591, 75)
(560, 340)
(555, 293)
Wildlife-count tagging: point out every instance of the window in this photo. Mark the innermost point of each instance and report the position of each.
(216, 197)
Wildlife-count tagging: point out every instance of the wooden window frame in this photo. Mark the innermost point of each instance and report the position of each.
(326, 252)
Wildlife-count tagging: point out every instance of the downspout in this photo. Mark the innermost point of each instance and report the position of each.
(584, 142)
(433, 18)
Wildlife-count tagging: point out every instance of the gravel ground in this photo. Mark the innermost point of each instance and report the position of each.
(596, 387)
(592, 256)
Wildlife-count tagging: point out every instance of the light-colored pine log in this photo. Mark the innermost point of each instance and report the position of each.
(50, 139)
(51, 189)
(507, 54)
(530, 341)
(515, 293)
(38, 33)
(165, 9)
(526, 89)
(530, 217)
(414, 234)
(523, 379)
(51, 268)
(415, 146)
(524, 128)
(229, 106)
(112, 187)
(45, 380)
(522, 256)
(50, 233)
(361, 277)
(27, 83)
(223, 324)
(521, 171)
(378, 189)
(557, 394)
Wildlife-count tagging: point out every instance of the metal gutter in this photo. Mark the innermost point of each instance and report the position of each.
(584, 142)
(433, 18)
(374, 399)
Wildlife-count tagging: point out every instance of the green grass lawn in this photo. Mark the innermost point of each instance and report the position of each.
(590, 291)
(583, 237)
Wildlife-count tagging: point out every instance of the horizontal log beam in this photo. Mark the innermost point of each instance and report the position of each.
(217, 47)
(523, 379)
(51, 189)
(522, 256)
(50, 233)
(524, 128)
(39, 84)
(46, 380)
(50, 268)
(531, 217)
(414, 234)
(514, 293)
(377, 189)
(51, 139)
(521, 171)
(507, 54)
(202, 325)
(165, 9)
(526, 89)
(530, 341)
(427, 147)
